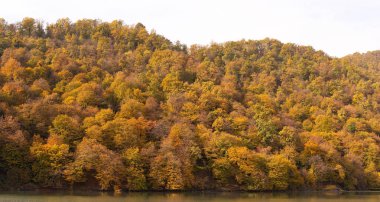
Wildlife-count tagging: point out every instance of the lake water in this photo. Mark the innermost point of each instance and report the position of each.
(191, 197)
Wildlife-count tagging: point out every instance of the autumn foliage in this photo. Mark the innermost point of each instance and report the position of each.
(108, 106)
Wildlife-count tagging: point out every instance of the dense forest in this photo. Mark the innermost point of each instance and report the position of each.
(108, 106)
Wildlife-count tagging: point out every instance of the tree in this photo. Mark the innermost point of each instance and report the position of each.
(60, 28)
(28, 26)
(136, 179)
(164, 61)
(66, 128)
(131, 109)
(283, 174)
(14, 158)
(242, 167)
(96, 160)
(49, 161)
(10, 68)
(325, 123)
(173, 167)
(172, 83)
(128, 133)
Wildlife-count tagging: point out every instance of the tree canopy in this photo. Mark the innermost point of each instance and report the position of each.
(113, 106)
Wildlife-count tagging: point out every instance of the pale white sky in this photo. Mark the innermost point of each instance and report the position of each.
(338, 27)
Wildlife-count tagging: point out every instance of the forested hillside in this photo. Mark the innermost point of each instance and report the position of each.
(109, 106)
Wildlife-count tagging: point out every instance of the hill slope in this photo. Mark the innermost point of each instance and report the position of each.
(98, 105)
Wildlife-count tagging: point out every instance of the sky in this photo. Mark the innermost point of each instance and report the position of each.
(338, 27)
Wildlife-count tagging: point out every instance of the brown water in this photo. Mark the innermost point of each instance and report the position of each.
(190, 197)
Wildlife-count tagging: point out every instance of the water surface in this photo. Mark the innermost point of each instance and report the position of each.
(190, 197)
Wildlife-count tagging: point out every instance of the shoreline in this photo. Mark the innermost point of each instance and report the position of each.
(65, 191)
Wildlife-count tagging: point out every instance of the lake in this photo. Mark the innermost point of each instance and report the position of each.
(190, 197)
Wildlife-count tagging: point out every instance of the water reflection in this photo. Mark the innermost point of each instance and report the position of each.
(189, 197)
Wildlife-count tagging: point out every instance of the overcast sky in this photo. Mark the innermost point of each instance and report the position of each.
(338, 27)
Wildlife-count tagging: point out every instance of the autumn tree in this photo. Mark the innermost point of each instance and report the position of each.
(94, 159)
